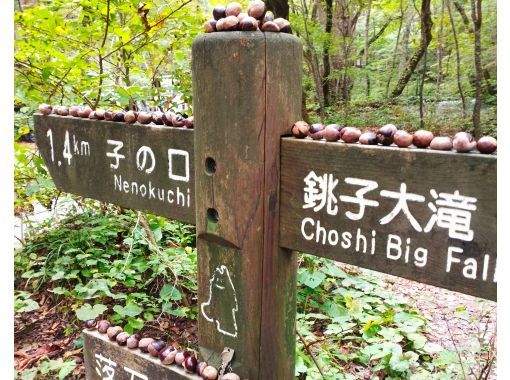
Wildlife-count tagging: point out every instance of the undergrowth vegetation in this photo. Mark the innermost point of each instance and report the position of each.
(137, 270)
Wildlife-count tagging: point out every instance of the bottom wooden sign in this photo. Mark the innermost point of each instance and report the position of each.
(105, 359)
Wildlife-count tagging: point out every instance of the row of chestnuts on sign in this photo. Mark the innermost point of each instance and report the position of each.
(168, 118)
(168, 354)
(463, 142)
(257, 18)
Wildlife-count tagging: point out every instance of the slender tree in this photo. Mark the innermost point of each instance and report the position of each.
(326, 72)
(476, 16)
(457, 55)
(367, 29)
(426, 37)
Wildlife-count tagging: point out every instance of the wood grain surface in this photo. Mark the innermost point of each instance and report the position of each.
(102, 356)
(165, 184)
(448, 255)
(238, 80)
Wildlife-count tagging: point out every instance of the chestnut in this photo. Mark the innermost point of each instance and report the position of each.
(113, 331)
(368, 138)
(92, 115)
(219, 12)
(144, 117)
(248, 24)
(385, 134)
(132, 341)
(200, 368)
(230, 23)
(84, 112)
(167, 117)
(230, 376)
(118, 116)
(402, 138)
(350, 134)
(157, 117)
(300, 129)
(91, 324)
(317, 135)
(209, 373)
(463, 142)
(122, 338)
(336, 126)
(143, 344)
(283, 25)
(330, 133)
(220, 25)
(62, 111)
(233, 9)
(257, 9)
(103, 326)
(269, 16)
(317, 127)
(73, 111)
(270, 26)
(108, 115)
(487, 144)
(190, 364)
(155, 347)
(189, 122)
(422, 138)
(210, 26)
(441, 143)
(167, 355)
(180, 357)
(100, 114)
(45, 109)
(178, 121)
(130, 117)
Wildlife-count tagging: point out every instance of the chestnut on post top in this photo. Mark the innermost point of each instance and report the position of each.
(256, 18)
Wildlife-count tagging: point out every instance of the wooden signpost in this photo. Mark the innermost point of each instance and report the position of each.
(256, 198)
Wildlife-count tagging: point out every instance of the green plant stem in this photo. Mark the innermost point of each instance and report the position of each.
(310, 353)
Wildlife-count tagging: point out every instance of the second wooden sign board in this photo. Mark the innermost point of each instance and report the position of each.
(414, 213)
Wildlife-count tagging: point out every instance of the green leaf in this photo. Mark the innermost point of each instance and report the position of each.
(67, 368)
(86, 312)
(311, 279)
(169, 292)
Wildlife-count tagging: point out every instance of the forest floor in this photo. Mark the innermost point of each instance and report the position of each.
(41, 334)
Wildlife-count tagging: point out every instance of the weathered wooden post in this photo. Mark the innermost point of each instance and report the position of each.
(246, 94)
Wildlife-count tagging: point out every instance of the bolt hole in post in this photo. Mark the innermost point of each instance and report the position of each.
(210, 166)
(212, 215)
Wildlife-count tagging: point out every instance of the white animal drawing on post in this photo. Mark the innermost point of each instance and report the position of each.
(221, 291)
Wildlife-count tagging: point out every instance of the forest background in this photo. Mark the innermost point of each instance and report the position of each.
(418, 64)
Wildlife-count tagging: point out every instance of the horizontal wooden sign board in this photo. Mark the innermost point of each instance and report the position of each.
(105, 359)
(424, 215)
(143, 167)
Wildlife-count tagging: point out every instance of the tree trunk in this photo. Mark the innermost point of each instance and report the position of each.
(280, 8)
(365, 65)
(325, 54)
(476, 15)
(457, 53)
(426, 37)
(463, 15)
(422, 83)
(440, 52)
(404, 48)
(394, 59)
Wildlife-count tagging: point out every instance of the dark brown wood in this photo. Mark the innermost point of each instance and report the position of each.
(127, 364)
(236, 76)
(473, 175)
(89, 172)
(283, 108)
